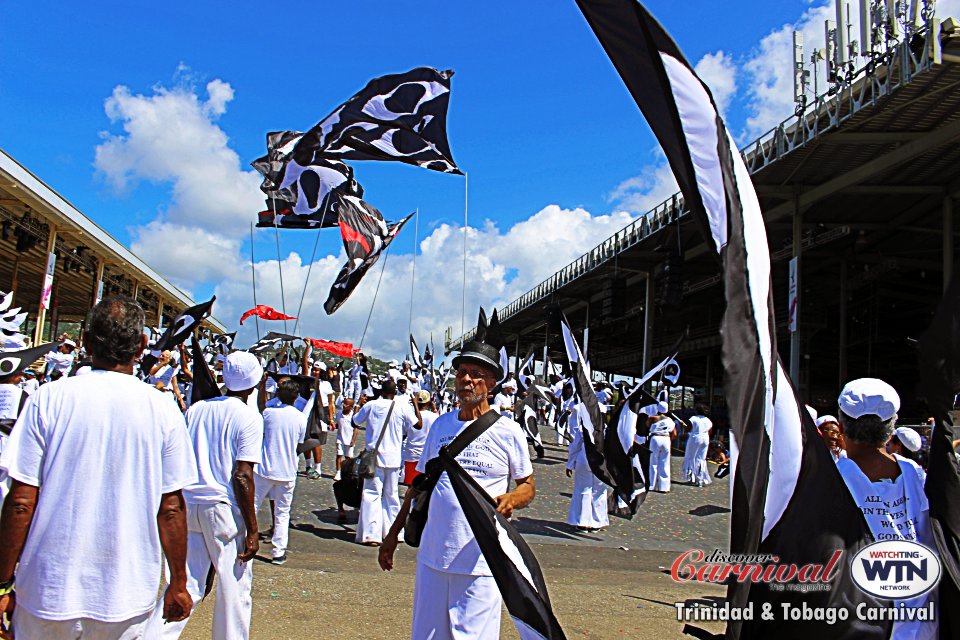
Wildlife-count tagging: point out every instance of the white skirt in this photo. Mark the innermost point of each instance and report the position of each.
(588, 504)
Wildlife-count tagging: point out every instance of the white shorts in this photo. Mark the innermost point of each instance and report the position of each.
(344, 450)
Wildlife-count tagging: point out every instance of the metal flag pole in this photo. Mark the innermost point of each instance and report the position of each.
(283, 300)
(463, 298)
(413, 273)
(326, 206)
(253, 276)
(386, 254)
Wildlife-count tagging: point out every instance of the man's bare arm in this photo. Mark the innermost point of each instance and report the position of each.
(519, 498)
(172, 525)
(15, 519)
(244, 488)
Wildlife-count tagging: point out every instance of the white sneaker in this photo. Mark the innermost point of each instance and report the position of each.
(336, 476)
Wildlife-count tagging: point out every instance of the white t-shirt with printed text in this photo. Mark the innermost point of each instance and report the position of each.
(103, 448)
(496, 457)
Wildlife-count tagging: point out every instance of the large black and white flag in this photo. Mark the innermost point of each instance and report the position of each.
(415, 357)
(204, 385)
(183, 325)
(365, 236)
(303, 201)
(272, 166)
(782, 469)
(17, 360)
(588, 407)
(224, 342)
(939, 351)
(400, 117)
(513, 565)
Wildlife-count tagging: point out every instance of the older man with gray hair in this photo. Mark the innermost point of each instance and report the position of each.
(887, 488)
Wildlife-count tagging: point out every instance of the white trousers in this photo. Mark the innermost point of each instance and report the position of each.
(699, 472)
(660, 463)
(588, 504)
(379, 506)
(452, 606)
(215, 536)
(352, 389)
(281, 492)
(30, 627)
(686, 471)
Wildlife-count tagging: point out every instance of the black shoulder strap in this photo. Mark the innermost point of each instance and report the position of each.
(471, 433)
(386, 423)
(24, 396)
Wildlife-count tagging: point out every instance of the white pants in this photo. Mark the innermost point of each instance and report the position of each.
(379, 506)
(352, 389)
(699, 472)
(281, 492)
(215, 536)
(30, 627)
(686, 471)
(452, 606)
(660, 463)
(588, 504)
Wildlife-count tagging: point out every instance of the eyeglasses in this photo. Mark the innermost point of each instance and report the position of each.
(473, 374)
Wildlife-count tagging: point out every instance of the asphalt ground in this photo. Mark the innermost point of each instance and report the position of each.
(609, 584)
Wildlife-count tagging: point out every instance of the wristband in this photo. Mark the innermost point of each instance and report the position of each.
(6, 588)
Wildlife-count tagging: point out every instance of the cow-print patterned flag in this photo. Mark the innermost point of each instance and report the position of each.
(300, 201)
(365, 236)
(400, 117)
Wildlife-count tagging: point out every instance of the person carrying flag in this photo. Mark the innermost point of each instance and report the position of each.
(454, 588)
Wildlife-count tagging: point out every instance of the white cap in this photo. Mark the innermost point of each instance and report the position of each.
(241, 371)
(69, 343)
(869, 396)
(393, 363)
(510, 384)
(320, 364)
(909, 438)
(822, 420)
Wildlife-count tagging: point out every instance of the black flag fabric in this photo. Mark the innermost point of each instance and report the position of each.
(588, 409)
(512, 563)
(415, 353)
(782, 469)
(939, 352)
(272, 166)
(14, 361)
(183, 325)
(204, 384)
(365, 236)
(303, 199)
(400, 117)
(224, 342)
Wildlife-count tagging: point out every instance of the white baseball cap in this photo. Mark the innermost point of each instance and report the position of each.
(869, 396)
(908, 438)
(822, 420)
(241, 371)
(69, 343)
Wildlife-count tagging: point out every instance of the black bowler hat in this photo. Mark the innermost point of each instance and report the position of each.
(479, 350)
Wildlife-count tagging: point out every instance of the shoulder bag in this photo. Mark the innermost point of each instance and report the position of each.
(424, 483)
(367, 461)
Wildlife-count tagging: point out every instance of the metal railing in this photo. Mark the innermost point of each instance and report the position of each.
(884, 75)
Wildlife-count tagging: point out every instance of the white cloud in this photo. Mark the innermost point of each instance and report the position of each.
(171, 137)
(719, 72)
(642, 193)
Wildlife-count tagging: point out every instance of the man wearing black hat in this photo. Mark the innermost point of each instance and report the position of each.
(454, 586)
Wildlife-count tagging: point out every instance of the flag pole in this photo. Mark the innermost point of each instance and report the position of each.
(276, 229)
(463, 297)
(376, 291)
(307, 281)
(413, 274)
(253, 276)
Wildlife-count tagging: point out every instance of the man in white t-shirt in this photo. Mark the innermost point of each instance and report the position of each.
(381, 502)
(887, 488)
(454, 587)
(504, 401)
(111, 456)
(284, 427)
(227, 437)
(60, 362)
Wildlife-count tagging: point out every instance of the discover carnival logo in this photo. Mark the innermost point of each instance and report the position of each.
(895, 569)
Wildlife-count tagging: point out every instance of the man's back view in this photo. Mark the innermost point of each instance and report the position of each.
(111, 455)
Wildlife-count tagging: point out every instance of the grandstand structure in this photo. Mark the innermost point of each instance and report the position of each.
(858, 186)
(87, 263)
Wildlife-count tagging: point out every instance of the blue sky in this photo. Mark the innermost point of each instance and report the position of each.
(537, 118)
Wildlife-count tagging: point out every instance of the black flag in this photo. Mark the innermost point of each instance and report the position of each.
(183, 325)
(12, 362)
(779, 483)
(224, 342)
(303, 200)
(271, 166)
(204, 384)
(588, 410)
(400, 117)
(939, 351)
(512, 563)
(365, 236)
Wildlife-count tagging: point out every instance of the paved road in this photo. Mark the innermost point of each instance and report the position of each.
(602, 585)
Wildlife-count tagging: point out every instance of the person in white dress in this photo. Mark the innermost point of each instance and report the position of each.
(588, 504)
(888, 488)
(662, 432)
(697, 443)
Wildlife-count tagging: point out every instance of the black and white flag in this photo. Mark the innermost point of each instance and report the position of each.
(588, 408)
(14, 361)
(939, 352)
(400, 117)
(365, 236)
(272, 166)
(183, 325)
(204, 385)
(224, 342)
(782, 469)
(415, 353)
(303, 200)
(513, 565)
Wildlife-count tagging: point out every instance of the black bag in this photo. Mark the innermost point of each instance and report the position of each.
(424, 483)
(367, 460)
(348, 490)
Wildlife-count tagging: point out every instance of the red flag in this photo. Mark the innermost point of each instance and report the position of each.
(265, 312)
(342, 349)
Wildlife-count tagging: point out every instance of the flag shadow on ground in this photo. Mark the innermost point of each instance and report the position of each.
(550, 529)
